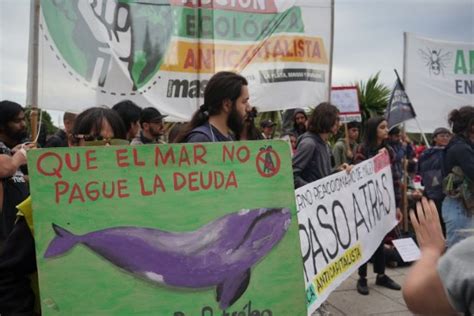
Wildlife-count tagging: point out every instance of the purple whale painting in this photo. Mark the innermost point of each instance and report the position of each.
(220, 253)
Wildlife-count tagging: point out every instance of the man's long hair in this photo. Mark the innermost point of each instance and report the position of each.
(224, 85)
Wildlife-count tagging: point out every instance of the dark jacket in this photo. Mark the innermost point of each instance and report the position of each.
(57, 140)
(312, 160)
(460, 152)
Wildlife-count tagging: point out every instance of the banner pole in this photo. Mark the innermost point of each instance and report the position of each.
(32, 89)
(331, 52)
(422, 133)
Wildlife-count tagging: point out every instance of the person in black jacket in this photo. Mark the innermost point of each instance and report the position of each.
(17, 248)
(312, 160)
(460, 153)
(60, 139)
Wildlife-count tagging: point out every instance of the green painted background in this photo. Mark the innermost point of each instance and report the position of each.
(82, 283)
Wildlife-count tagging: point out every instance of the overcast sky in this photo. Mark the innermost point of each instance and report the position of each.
(368, 37)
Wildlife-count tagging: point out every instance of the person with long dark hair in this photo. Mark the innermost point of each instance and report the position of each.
(17, 248)
(457, 215)
(98, 126)
(375, 140)
(312, 160)
(221, 117)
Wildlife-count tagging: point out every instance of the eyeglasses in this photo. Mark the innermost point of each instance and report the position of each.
(92, 140)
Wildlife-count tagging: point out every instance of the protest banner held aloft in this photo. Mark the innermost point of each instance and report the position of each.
(162, 53)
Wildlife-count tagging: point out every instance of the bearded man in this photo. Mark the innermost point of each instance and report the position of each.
(221, 117)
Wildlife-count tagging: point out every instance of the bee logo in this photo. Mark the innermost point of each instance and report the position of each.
(436, 60)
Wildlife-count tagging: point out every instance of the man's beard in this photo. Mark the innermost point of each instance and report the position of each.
(18, 136)
(301, 127)
(235, 122)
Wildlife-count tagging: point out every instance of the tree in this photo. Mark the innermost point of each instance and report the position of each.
(373, 97)
(47, 126)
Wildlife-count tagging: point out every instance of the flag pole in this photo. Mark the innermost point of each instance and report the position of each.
(418, 124)
(32, 86)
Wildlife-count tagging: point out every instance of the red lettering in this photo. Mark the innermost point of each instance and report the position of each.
(226, 152)
(209, 181)
(218, 179)
(179, 181)
(104, 190)
(54, 171)
(199, 156)
(190, 60)
(118, 154)
(92, 194)
(142, 188)
(58, 191)
(69, 162)
(137, 162)
(158, 184)
(192, 179)
(90, 159)
(231, 181)
(122, 188)
(246, 151)
(76, 193)
(164, 160)
(183, 157)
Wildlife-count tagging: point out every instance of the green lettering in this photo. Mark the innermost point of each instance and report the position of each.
(471, 62)
(460, 63)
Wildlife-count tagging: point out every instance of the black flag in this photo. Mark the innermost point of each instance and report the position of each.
(399, 107)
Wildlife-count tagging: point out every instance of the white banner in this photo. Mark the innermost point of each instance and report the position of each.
(439, 77)
(342, 219)
(161, 53)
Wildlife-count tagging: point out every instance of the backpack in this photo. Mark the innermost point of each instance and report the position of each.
(431, 167)
(457, 186)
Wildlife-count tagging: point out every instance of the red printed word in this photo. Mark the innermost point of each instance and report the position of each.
(91, 191)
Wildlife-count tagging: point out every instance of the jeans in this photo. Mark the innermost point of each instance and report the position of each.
(456, 219)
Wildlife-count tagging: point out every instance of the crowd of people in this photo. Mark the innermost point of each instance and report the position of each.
(446, 171)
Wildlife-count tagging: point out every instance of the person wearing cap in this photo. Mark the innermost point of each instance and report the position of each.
(151, 122)
(221, 117)
(267, 129)
(441, 137)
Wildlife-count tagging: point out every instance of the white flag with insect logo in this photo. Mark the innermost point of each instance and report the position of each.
(162, 53)
(439, 77)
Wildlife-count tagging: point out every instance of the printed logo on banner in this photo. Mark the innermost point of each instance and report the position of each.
(95, 40)
(436, 60)
(89, 36)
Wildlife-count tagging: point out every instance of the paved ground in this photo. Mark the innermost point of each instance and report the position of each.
(381, 301)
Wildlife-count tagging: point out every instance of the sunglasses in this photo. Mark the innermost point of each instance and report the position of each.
(92, 140)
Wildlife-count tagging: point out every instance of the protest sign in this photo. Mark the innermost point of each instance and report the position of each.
(438, 77)
(162, 53)
(179, 230)
(346, 99)
(342, 220)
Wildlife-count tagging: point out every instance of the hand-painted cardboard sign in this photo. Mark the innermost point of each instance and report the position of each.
(189, 229)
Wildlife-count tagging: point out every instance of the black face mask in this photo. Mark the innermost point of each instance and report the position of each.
(235, 121)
